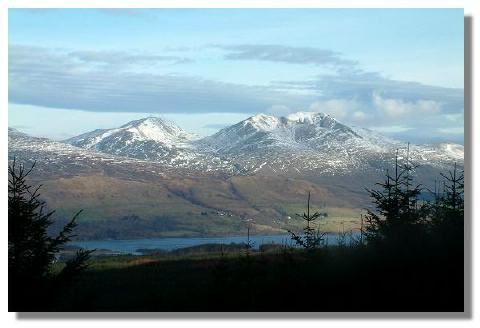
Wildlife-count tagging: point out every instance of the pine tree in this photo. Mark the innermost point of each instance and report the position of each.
(397, 217)
(454, 189)
(31, 250)
(447, 211)
(311, 237)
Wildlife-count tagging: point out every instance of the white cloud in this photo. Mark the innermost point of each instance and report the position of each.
(286, 54)
(391, 129)
(398, 108)
(452, 130)
(359, 116)
(455, 118)
(120, 59)
(338, 108)
(279, 110)
(43, 77)
(84, 80)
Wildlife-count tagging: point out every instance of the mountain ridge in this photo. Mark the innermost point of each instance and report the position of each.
(202, 190)
(298, 142)
(149, 138)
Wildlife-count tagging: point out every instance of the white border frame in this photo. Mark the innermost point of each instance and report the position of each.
(471, 8)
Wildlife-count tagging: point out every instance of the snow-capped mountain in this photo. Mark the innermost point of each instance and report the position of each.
(62, 159)
(300, 143)
(308, 141)
(298, 131)
(253, 169)
(151, 138)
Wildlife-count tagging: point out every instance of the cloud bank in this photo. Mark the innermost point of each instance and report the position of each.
(73, 80)
(284, 54)
(112, 81)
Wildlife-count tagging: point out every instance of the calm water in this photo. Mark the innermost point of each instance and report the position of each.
(131, 246)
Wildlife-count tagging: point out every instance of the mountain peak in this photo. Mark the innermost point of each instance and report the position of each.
(269, 123)
(306, 117)
(156, 129)
(150, 120)
(266, 122)
(262, 122)
(153, 122)
(136, 138)
(321, 119)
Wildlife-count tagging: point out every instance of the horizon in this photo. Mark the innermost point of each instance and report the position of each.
(286, 116)
(210, 68)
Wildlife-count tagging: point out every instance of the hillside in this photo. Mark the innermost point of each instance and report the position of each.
(150, 178)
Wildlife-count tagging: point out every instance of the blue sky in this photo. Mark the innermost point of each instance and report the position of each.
(397, 71)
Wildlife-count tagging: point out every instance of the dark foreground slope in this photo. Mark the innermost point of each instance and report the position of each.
(333, 279)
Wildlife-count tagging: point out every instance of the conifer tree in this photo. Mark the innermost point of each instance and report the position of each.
(31, 250)
(311, 237)
(447, 211)
(397, 217)
(454, 189)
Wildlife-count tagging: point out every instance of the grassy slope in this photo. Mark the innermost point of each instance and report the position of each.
(193, 206)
